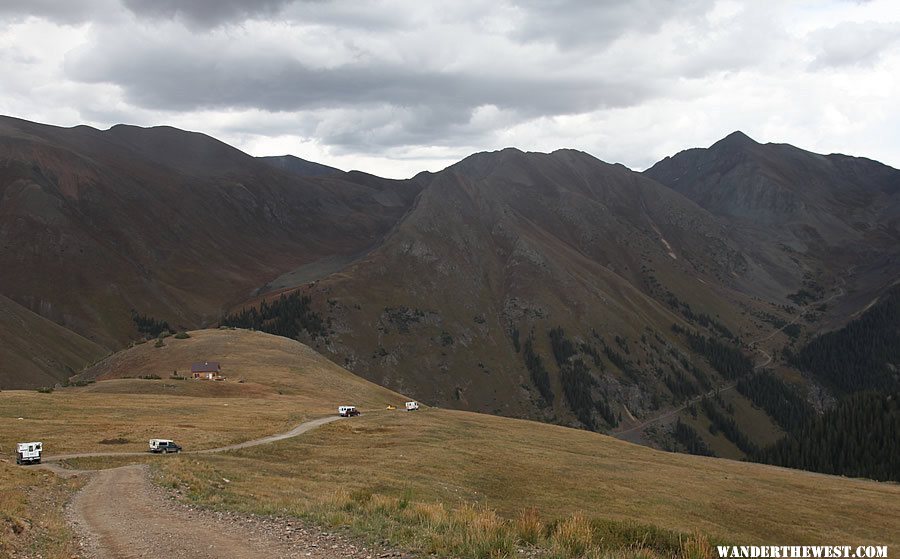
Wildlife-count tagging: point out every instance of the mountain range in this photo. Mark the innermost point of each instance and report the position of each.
(551, 286)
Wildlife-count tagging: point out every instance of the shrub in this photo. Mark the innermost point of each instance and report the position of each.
(529, 527)
(182, 335)
(159, 343)
(117, 440)
(573, 536)
(45, 389)
(697, 547)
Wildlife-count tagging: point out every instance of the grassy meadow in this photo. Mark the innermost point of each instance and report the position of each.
(436, 481)
(413, 477)
(283, 383)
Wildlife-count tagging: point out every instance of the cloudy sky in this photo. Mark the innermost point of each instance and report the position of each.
(394, 87)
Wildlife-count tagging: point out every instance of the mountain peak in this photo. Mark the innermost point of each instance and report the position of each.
(736, 139)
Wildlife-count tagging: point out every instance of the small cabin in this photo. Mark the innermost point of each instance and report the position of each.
(208, 370)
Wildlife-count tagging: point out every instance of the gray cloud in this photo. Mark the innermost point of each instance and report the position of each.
(580, 23)
(393, 80)
(65, 12)
(429, 104)
(207, 12)
(854, 44)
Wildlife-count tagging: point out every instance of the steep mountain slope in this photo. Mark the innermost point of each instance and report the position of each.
(503, 248)
(35, 350)
(549, 286)
(819, 215)
(299, 166)
(169, 223)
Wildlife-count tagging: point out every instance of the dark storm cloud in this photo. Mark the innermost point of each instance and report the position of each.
(207, 12)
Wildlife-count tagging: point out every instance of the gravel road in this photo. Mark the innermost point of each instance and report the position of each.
(120, 514)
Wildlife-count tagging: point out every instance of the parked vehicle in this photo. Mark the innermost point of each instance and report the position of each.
(163, 446)
(347, 411)
(29, 453)
(412, 406)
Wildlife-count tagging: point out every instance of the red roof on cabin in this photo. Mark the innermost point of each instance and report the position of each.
(206, 367)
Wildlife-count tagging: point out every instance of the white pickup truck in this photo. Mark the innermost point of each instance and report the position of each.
(29, 453)
(164, 446)
(347, 411)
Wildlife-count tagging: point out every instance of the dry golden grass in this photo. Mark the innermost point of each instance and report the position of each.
(197, 414)
(31, 515)
(449, 460)
(444, 482)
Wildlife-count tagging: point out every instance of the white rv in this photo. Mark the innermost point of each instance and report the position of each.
(164, 446)
(412, 406)
(347, 411)
(29, 453)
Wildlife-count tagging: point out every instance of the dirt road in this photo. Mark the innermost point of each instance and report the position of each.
(121, 514)
(634, 434)
(298, 430)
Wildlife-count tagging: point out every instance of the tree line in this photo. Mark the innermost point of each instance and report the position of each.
(859, 437)
(287, 316)
(783, 402)
(727, 359)
(858, 356)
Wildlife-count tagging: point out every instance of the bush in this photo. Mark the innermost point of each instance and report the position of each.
(529, 527)
(182, 335)
(45, 389)
(573, 536)
(117, 440)
(159, 343)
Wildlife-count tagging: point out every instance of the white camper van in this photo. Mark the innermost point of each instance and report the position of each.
(347, 411)
(412, 406)
(163, 446)
(29, 453)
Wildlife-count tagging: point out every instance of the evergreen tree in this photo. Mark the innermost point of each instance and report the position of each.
(860, 437)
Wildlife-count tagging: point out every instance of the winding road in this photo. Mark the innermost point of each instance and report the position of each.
(633, 433)
(304, 427)
(119, 513)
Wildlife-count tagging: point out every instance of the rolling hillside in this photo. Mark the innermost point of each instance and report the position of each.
(273, 383)
(435, 480)
(441, 461)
